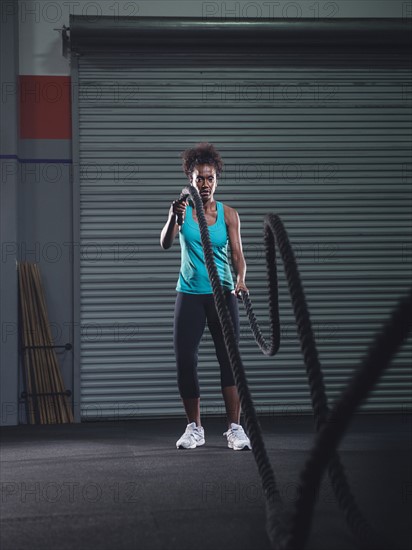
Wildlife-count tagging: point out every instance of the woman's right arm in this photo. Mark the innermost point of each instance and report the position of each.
(171, 227)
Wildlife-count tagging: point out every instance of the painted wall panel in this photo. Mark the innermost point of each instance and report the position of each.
(45, 107)
(8, 217)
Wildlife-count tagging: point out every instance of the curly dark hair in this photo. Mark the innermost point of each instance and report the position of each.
(203, 153)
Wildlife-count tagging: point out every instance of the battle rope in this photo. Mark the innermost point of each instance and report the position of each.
(289, 530)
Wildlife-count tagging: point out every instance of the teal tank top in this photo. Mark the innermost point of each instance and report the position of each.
(193, 276)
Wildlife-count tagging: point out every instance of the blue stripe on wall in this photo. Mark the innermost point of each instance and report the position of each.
(36, 161)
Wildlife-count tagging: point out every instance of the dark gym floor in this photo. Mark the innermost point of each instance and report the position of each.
(123, 485)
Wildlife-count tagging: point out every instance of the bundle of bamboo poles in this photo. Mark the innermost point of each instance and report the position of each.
(46, 398)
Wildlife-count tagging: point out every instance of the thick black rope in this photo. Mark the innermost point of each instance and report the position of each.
(276, 233)
(384, 347)
(288, 530)
(270, 489)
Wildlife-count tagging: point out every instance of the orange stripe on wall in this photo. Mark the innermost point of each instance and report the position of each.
(45, 109)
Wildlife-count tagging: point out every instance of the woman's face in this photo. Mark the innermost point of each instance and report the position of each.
(204, 179)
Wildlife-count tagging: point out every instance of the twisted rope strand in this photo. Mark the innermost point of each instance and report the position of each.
(289, 530)
(258, 447)
(384, 347)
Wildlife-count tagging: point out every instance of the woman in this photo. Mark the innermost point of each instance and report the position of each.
(195, 303)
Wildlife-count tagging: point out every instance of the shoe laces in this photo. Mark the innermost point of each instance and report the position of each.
(236, 432)
(193, 431)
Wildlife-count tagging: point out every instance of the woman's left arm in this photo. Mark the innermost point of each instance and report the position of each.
(235, 240)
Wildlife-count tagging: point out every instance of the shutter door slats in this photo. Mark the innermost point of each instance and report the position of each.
(326, 147)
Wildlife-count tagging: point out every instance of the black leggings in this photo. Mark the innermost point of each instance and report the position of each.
(191, 313)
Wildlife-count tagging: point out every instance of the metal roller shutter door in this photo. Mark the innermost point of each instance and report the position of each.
(326, 147)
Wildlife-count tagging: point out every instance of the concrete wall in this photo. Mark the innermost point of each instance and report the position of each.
(9, 55)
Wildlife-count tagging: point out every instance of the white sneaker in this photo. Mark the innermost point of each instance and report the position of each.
(236, 438)
(194, 436)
